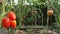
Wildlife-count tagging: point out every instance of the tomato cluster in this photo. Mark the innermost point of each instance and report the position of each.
(9, 20)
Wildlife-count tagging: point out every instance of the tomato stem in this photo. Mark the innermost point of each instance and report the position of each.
(8, 30)
(3, 5)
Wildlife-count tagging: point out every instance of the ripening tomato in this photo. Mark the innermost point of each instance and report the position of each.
(11, 15)
(5, 22)
(50, 12)
(13, 24)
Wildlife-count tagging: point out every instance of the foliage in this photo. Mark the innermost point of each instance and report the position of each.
(21, 9)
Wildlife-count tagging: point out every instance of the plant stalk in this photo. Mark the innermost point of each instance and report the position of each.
(8, 30)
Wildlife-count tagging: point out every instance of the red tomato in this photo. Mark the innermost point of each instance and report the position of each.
(5, 22)
(13, 24)
(11, 15)
(50, 12)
